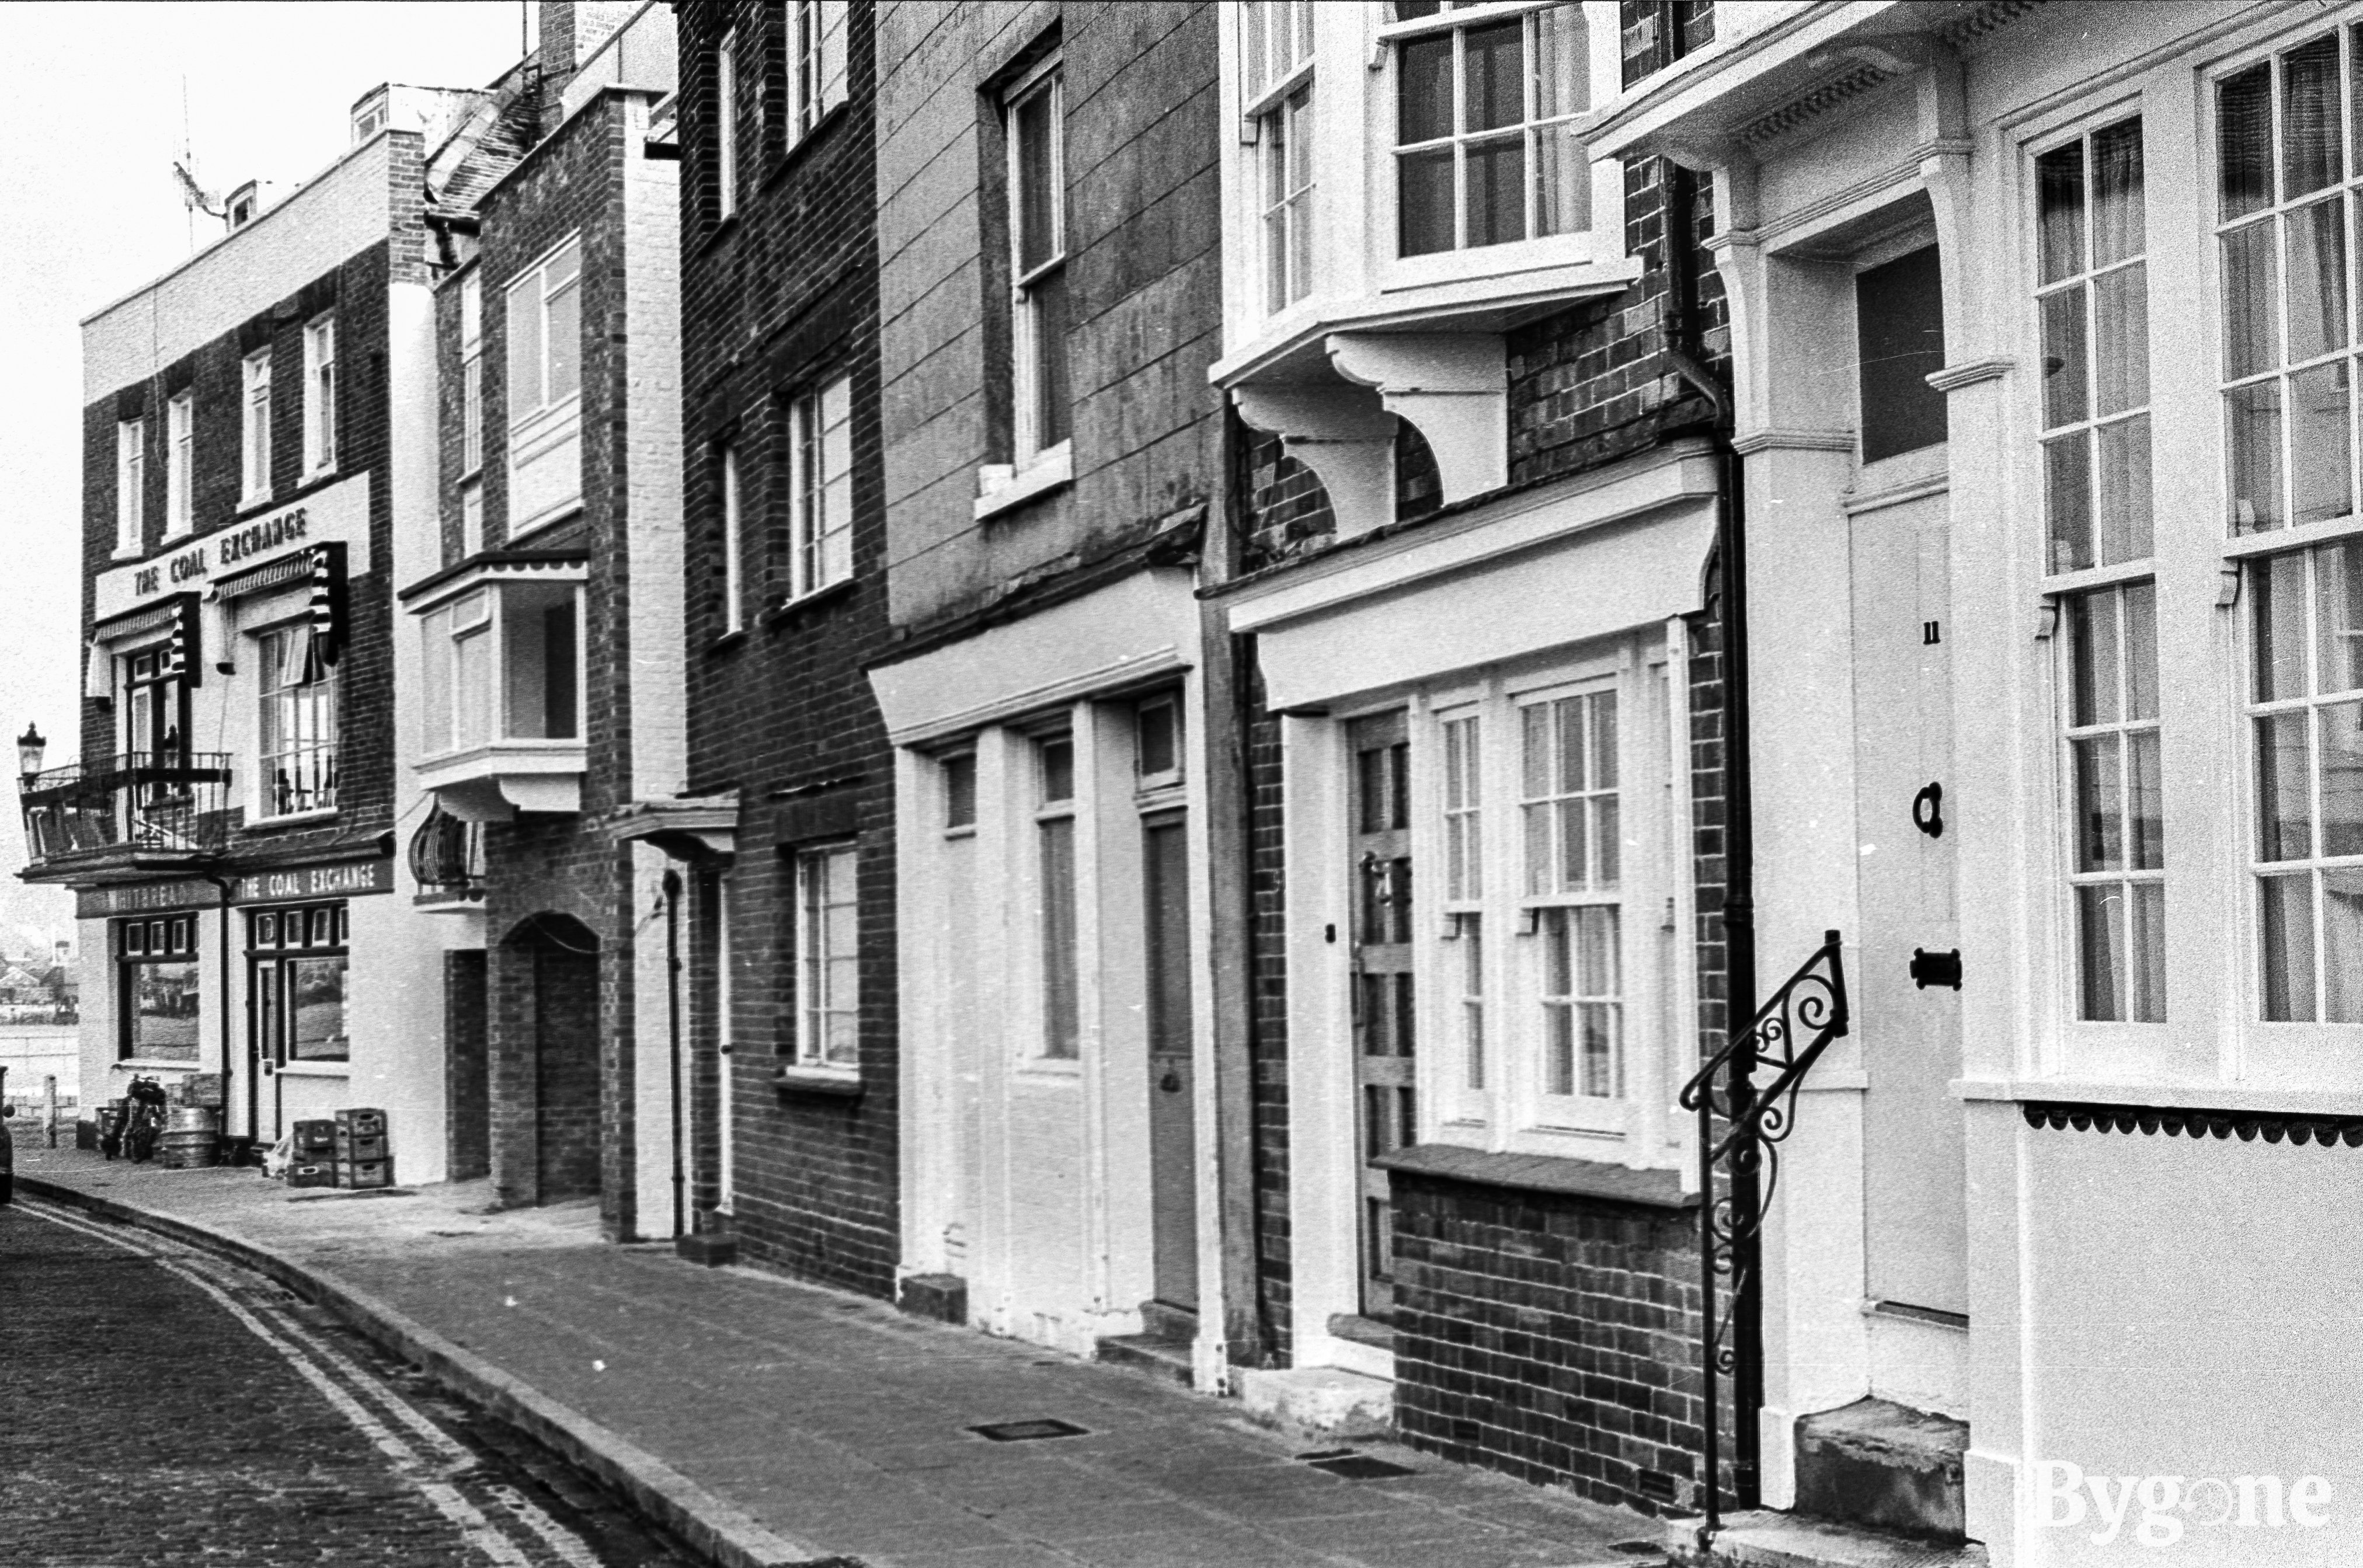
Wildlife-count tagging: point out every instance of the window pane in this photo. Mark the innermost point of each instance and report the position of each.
(1562, 182)
(2284, 815)
(2279, 585)
(2254, 417)
(566, 342)
(1061, 1011)
(163, 1012)
(1037, 239)
(1537, 721)
(2093, 646)
(2243, 132)
(2099, 823)
(1558, 1052)
(2059, 205)
(2310, 130)
(1597, 1024)
(2145, 801)
(1049, 299)
(317, 993)
(2067, 490)
(525, 349)
(2337, 617)
(1425, 220)
(2251, 340)
(1603, 741)
(1605, 833)
(1572, 735)
(2341, 943)
(2319, 486)
(2317, 279)
(2339, 745)
(1058, 766)
(2101, 951)
(1539, 849)
(1424, 90)
(2288, 911)
(2124, 502)
(2117, 211)
(2065, 396)
(2146, 954)
(960, 792)
(1573, 863)
(2141, 651)
(1562, 63)
(2121, 334)
(1497, 191)
(1494, 61)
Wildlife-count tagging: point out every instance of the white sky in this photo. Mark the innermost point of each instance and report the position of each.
(91, 100)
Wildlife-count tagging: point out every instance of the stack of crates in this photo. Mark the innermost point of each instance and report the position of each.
(312, 1160)
(362, 1159)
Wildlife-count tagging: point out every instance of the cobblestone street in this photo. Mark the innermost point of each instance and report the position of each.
(161, 1406)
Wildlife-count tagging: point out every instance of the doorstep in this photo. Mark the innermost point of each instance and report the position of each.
(1766, 1539)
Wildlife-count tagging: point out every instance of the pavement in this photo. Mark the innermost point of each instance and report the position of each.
(770, 1423)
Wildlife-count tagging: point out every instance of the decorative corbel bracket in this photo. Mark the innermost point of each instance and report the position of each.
(1454, 387)
(1342, 433)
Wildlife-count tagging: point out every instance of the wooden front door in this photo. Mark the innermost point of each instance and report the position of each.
(1383, 1042)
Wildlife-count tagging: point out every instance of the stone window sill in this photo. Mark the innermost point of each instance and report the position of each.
(1002, 489)
(1541, 1173)
(831, 1081)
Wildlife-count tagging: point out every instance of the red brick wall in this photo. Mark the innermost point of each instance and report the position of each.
(778, 300)
(466, 1093)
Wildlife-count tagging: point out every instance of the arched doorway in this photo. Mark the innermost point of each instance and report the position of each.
(547, 1075)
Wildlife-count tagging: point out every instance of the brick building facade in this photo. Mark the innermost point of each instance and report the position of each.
(547, 632)
(796, 1044)
(1460, 616)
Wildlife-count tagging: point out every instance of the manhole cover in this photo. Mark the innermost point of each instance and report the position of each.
(1360, 1467)
(1026, 1431)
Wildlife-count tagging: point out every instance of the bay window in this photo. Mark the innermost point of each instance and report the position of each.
(823, 487)
(2118, 862)
(502, 665)
(1487, 114)
(828, 964)
(1553, 816)
(1276, 50)
(545, 391)
(254, 483)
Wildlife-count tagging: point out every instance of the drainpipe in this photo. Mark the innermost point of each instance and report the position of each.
(672, 1026)
(221, 884)
(1684, 352)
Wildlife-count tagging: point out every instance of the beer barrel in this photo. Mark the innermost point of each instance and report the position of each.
(192, 1138)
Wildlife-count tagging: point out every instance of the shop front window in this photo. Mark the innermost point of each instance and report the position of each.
(158, 973)
(300, 955)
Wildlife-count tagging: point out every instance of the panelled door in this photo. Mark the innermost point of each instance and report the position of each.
(1380, 846)
(1173, 1122)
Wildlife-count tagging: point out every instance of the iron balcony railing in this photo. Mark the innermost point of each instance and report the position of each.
(161, 802)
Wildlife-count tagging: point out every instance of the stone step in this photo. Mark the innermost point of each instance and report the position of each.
(1152, 1353)
(1769, 1540)
(1882, 1464)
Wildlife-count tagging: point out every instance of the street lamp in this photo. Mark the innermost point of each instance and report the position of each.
(30, 747)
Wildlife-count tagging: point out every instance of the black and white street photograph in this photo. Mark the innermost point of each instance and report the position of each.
(1182, 784)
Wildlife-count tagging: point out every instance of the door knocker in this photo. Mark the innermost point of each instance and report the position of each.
(1928, 810)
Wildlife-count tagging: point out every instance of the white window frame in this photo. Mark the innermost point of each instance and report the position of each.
(179, 464)
(130, 487)
(254, 430)
(320, 396)
(821, 488)
(540, 429)
(1276, 53)
(725, 124)
(816, 70)
(487, 611)
(1043, 1049)
(1387, 240)
(1027, 393)
(819, 1005)
(283, 645)
(734, 543)
(472, 375)
(1509, 1107)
